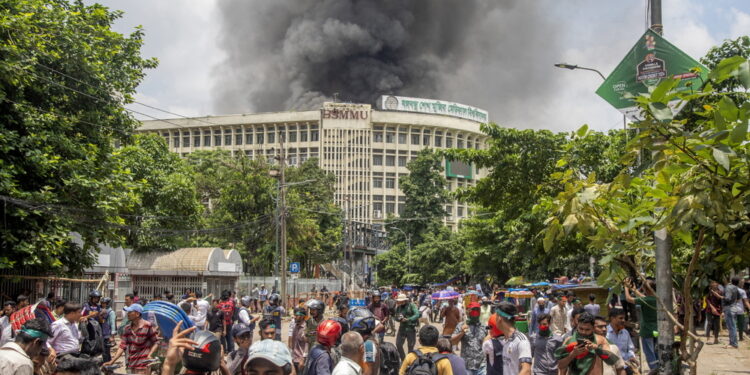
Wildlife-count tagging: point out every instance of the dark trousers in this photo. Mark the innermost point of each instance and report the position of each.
(713, 323)
(227, 342)
(107, 354)
(408, 335)
(741, 325)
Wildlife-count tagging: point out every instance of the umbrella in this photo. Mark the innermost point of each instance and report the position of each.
(445, 294)
(516, 280)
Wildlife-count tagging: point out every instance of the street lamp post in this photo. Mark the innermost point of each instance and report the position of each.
(408, 246)
(576, 67)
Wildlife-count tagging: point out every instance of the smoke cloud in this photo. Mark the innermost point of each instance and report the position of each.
(294, 54)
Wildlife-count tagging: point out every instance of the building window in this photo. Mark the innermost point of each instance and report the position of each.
(390, 137)
(377, 160)
(248, 137)
(207, 138)
(426, 138)
(238, 138)
(460, 212)
(402, 161)
(185, 139)
(415, 139)
(227, 137)
(402, 138)
(449, 211)
(377, 182)
(259, 138)
(293, 134)
(390, 160)
(390, 183)
(390, 208)
(217, 137)
(377, 137)
(401, 209)
(271, 137)
(314, 135)
(303, 133)
(438, 141)
(448, 141)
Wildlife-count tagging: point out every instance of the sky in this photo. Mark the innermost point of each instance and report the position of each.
(505, 67)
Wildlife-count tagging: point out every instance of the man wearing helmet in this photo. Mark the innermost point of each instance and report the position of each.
(363, 321)
(91, 309)
(319, 361)
(275, 311)
(379, 310)
(108, 327)
(317, 308)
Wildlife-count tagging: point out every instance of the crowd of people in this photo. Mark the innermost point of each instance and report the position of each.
(456, 335)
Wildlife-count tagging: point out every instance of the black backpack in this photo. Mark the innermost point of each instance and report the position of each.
(93, 340)
(424, 364)
(390, 361)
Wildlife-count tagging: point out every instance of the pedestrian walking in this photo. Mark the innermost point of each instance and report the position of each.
(408, 317)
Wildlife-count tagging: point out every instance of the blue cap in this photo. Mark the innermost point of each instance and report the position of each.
(240, 329)
(134, 307)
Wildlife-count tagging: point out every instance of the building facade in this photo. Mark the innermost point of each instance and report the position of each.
(366, 149)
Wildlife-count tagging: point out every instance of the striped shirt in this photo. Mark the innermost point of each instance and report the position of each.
(137, 343)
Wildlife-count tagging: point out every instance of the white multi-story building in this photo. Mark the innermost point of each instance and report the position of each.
(366, 149)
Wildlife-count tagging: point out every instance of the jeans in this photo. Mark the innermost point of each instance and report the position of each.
(480, 371)
(227, 341)
(731, 319)
(649, 350)
(410, 335)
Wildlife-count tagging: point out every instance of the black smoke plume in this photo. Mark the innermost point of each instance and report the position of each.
(294, 54)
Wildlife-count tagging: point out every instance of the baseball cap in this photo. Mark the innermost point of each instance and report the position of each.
(134, 307)
(240, 329)
(274, 351)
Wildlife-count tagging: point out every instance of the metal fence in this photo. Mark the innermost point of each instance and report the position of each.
(293, 286)
(37, 287)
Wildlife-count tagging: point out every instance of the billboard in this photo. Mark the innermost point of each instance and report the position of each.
(650, 60)
(458, 169)
(432, 106)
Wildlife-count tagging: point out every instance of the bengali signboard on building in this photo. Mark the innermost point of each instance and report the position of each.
(650, 60)
(437, 107)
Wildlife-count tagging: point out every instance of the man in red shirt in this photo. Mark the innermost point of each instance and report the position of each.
(226, 305)
(140, 341)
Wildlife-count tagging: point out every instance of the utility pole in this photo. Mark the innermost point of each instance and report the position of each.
(663, 245)
(282, 221)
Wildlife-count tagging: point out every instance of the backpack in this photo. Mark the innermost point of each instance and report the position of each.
(424, 364)
(390, 362)
(93, 339)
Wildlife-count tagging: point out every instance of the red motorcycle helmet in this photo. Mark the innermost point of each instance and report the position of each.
(329, 331)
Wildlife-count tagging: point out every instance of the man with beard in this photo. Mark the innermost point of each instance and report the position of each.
(585, 352)
(380, 310)
(543, 345)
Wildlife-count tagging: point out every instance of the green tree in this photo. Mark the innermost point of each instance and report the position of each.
(426, 194)
(695, 185)
(502, 238)
(167, 202)
(65, 78)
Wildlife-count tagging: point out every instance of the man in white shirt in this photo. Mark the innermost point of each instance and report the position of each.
(199, 310)
(516, 346)
(15, 357)
(67, 337)
(352, 350)
(559, 315)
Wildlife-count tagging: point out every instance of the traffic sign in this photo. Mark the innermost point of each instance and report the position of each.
(651, 60)
(294, 267)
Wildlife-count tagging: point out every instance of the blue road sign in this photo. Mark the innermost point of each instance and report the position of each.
(294, 267)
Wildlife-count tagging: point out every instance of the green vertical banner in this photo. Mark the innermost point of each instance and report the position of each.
(650, 60)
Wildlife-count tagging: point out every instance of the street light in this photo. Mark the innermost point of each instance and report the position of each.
(574, 67)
